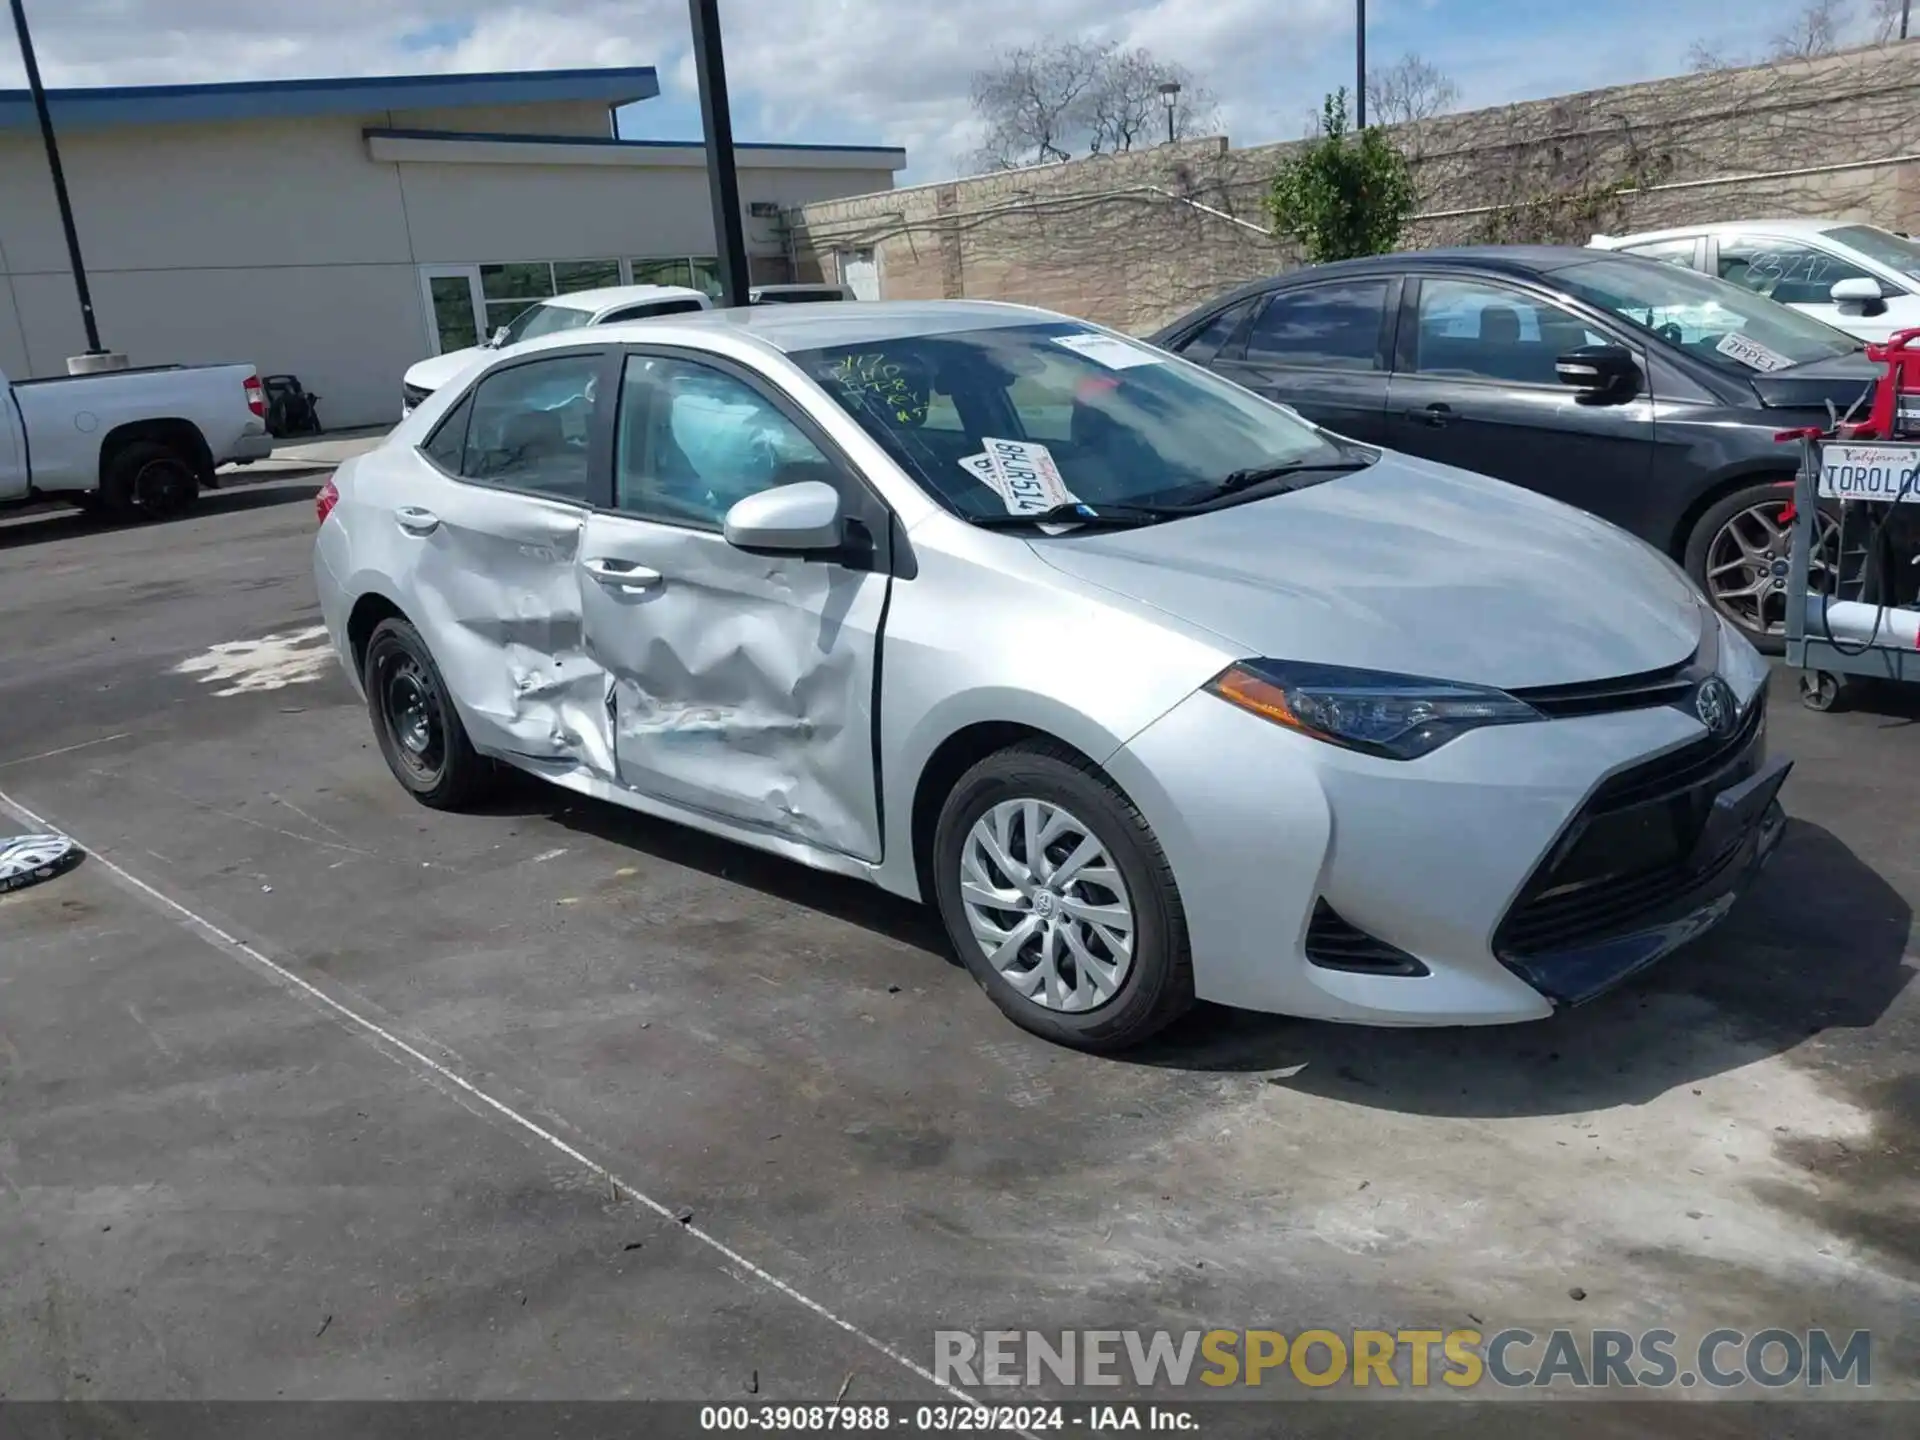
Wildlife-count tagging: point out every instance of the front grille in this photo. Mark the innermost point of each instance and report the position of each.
(1629, 854)
(1668, 686)
(1336, 943)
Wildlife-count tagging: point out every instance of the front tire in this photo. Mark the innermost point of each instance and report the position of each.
(1739, 553)
(1060, 901)
(420, 734)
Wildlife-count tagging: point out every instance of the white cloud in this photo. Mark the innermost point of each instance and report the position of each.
(895, 71)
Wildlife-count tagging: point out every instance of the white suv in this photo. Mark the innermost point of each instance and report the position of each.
(1857, 278)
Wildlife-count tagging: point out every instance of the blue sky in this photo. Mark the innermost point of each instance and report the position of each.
(897, 71)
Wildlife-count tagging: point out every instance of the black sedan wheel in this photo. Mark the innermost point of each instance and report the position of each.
(420, 734)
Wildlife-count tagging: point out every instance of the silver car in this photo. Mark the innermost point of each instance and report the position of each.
(1157, 691)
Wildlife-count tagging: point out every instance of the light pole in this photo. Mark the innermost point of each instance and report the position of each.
(94, 347)
(723, 181)
(1360, 64)
(1170, 97)
(1905, 5)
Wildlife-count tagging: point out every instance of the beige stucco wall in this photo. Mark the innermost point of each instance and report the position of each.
(283, 244)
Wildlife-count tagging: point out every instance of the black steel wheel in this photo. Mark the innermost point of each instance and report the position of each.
(419, 730)
(147, 480)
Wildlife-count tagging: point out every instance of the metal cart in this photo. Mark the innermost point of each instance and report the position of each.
(1880, 642)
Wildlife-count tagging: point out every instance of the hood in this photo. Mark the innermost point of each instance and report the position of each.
(1841, 380)
(1409, 567)
(436, 370)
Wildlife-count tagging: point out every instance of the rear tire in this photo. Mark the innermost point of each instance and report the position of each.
(147, 480)
(420, 734)
(1104, 962)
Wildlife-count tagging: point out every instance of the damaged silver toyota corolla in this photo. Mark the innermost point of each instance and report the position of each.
(1156, 690)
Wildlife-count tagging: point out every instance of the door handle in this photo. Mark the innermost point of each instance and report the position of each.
(622, 574)
(415, 521)
(1436, 414)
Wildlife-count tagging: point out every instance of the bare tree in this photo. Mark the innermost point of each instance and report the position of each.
(1814, 32)
(1886, 15)
(1061, 97)
(1703, 59)
(1125, 108)
(1409, 89)
(1032, 99)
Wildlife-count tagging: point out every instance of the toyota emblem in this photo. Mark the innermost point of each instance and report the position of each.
(1713, 702)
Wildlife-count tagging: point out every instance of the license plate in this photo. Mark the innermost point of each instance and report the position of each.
(1870, 472)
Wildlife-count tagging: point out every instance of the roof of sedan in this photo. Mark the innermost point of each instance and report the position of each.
(1521, 259)
(827, 323)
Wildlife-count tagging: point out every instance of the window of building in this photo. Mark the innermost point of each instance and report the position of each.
(700, 272)
(1326, 327)
(510, 288)
(693, 440)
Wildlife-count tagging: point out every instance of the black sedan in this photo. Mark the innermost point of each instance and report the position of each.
(1643, 392)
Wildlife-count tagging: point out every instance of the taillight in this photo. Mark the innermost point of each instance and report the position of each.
(324, 502)
(256, 397)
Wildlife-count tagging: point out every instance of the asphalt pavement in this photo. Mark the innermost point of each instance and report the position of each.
(309, 1092)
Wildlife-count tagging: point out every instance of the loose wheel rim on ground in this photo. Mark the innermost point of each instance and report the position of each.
(1047, 905)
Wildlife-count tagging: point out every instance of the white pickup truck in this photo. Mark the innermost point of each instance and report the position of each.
(129, 442)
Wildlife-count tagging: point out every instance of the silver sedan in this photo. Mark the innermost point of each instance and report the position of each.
(1157, 691)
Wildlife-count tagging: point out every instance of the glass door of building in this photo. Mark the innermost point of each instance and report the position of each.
(456, 306)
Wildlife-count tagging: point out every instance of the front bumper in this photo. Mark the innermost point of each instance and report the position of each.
(1456, 861)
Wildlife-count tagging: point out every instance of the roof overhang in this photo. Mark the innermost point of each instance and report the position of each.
(106, 107)
(477, 148)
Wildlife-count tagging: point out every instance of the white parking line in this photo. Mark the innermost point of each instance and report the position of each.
(65, 750)
(239, 949)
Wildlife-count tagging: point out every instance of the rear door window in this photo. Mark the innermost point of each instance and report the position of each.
(1322, 327)
(1203, 344)
(531, 427)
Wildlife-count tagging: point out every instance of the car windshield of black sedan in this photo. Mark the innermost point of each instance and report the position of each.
(1013, 420)
(1714, 321)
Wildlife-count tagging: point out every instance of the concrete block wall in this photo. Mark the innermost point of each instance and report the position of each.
(1134, 240)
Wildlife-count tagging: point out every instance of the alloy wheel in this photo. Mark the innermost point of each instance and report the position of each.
(1748, 564)
(1047, 905)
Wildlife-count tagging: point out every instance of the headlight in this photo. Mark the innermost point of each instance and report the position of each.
(1398, 717)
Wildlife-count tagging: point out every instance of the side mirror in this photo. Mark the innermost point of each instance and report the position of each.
(1601, 371)
(787, 519)
(1860, 295)
(499, 338)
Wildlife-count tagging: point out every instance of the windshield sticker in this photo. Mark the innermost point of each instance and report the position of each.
(1736, 346)
(1022, 473)
(877, 380)
(1108, 350)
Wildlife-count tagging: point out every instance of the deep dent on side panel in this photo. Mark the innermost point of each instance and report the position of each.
(512, 640)
(780, 736)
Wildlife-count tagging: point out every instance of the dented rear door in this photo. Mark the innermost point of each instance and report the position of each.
(489, 552)
(741, 686)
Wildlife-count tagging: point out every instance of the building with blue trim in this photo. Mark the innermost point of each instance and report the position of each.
(341, 229)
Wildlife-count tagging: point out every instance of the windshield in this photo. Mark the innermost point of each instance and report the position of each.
(1891, 250)
(544, 319)
(1710, 319)
(1012, 420)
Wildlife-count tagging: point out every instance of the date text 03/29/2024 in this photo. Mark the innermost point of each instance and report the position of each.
(934, 1419)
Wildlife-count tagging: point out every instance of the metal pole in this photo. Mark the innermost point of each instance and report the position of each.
(723, 182)
(1170, 124)
(1905, 5)
(94, 346)
(1360, 64)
